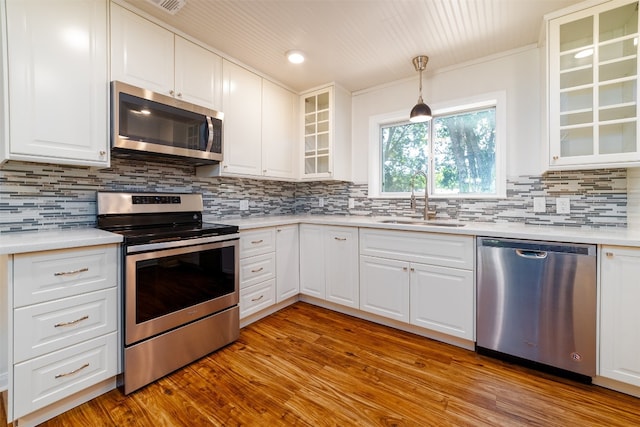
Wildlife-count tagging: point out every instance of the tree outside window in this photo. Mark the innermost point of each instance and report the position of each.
(463, 152)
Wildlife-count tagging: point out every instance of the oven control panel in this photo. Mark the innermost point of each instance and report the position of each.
(156, 200)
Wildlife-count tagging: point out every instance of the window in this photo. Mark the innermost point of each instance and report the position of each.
(459, 149)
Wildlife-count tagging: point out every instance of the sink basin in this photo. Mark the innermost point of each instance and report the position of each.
(422, 222)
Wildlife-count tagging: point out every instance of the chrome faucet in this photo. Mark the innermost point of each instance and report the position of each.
(426, 214)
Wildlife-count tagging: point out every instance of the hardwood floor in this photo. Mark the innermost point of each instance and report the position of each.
(309, 366)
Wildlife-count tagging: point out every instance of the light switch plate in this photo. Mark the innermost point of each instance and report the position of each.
(352, 203)
(244, 205)
(321, 202)
(539, 204)
(563, 205)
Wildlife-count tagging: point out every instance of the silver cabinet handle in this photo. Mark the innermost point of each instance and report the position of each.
(257, 299)
(405, 269)
(412, 269)
(70, 273)
(341, 239)
(172, 93)
(255, 242)
(257, 270)
(86, 365)
(609, 254)
(73, 322)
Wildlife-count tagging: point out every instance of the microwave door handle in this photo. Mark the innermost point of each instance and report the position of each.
(209, 134)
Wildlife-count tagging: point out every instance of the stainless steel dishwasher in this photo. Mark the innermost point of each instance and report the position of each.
(537, 301)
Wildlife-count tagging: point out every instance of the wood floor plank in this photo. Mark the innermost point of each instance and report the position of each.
(308, 366)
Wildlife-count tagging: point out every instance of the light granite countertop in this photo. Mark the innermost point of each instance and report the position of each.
(31, 241)
(45, 240)
(604, 236)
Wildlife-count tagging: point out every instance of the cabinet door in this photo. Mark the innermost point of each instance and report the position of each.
(141, 52)
(242, 106)
(312, 278)
(287, 262)
(316, 113)
(279, 152)
(593, 89)
(619, 314)
(341, 265)
(442, 299)
(384, 287)
(57, 58)
(198, 75)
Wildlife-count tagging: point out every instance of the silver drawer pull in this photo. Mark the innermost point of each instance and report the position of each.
(69, 273)
(609, 254)
(257, 299)
(73, 322)
(340, 238)
(255, 242)
(75, 371)
(257, 270)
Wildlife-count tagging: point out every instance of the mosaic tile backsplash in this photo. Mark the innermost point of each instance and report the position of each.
(42, 196)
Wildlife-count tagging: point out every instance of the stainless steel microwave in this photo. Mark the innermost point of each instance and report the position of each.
(144, 122)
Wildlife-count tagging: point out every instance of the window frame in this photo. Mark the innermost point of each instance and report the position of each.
(459, 106)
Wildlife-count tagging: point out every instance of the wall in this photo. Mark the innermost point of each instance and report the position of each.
(517, 73)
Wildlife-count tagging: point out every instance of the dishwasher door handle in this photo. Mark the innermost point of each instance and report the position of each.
(531, 254)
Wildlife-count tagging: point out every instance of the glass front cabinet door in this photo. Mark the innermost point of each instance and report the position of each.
(593, 90)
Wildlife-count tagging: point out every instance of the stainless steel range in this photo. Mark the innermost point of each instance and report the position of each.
(181, 281)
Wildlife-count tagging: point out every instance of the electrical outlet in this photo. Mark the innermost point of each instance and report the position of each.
(563, 205)
(352, 203)
(244, 205)
(539, 204)
(321, 202)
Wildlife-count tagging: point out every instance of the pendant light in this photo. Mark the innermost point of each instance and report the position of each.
(421, 112)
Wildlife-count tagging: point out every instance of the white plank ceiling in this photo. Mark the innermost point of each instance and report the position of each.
(358, 43)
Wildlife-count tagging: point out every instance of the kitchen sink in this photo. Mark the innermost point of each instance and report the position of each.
(422, 222)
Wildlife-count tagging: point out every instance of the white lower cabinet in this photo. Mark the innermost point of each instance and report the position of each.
(619, 314)
(426, 279)
(257, 270)
(287, 262)
(329, 263)
(384, 287)
(442, 299)
(63, 328)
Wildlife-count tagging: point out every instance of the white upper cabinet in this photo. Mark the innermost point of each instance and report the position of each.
(149, 56)
(259, 127)
(57, 82)
(592, 87)
(242, 103)
(279, 118)
(326, 145)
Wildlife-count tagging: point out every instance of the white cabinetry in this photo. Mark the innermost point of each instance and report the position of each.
(259, 132)
(619, 314)
(257, 270)
(592, 57)
(57, 82)
(287, 262)
(425, 279)
(329, 263)
(326, 149)
(151, 57)
(63, 327)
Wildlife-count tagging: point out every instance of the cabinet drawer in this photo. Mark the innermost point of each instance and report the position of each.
(446, 250)
(257, 242)
(257, 269)
(257, 297)
(45, 276)
(56, 324)
(47, 379)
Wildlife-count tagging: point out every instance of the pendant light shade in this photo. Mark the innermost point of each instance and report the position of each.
(421, 112)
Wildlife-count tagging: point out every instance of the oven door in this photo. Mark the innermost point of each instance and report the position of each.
(168, 288)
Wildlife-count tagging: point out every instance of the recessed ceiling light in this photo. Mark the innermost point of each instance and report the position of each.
(295, 56)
